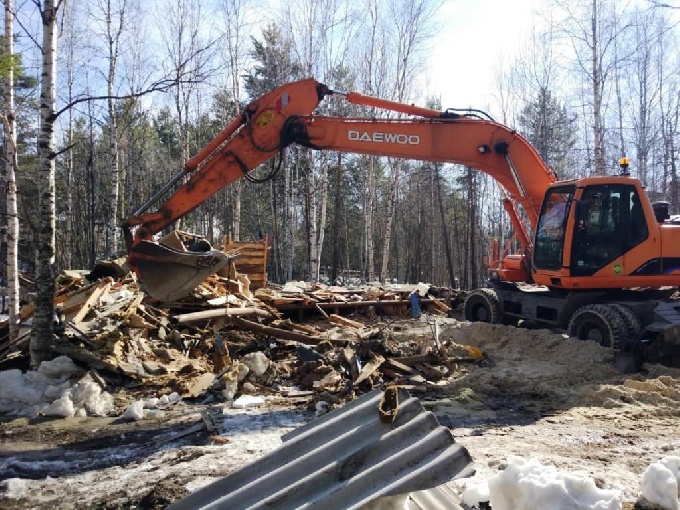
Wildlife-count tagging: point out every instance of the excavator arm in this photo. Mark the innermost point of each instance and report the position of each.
(285, 116)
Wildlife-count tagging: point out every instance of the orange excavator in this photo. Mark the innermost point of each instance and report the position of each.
(597, 258)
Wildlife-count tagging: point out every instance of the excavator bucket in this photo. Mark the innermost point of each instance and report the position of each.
(168, 274)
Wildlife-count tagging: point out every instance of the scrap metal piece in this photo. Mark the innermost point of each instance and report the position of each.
(343, 460)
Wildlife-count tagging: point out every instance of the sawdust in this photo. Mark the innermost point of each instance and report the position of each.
(542, 394)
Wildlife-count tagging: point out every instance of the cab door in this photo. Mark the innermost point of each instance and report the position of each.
(609, 222)
(551, 228)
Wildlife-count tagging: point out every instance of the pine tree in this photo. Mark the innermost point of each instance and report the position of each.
(546, 123)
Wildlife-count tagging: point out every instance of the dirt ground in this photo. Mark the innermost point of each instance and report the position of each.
(537, 394)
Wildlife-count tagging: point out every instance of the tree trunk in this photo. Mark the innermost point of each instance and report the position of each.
(368, 215)
(320, 204)
(289, 231)
(113, 42)
(12, 236)
(598, 138)
(310, 202)
(112, 224)
(473, 228)
(276, 221)
(445, 230)
(42, 332)
(238, 192)
(337, 210)
(391, 205)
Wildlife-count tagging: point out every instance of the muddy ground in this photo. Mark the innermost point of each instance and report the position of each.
(537, 394)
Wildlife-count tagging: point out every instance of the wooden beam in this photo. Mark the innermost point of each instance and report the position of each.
(220, 312)
(89, 303)
(282, 333)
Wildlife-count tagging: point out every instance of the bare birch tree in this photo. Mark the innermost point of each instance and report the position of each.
(42, 331)
(9, 121)
(591, 29)
(413, 25)
(71, 40)
(320, 34)
(237, 21)
(114, 13)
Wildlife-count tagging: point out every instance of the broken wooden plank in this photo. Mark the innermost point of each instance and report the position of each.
(220, 312)
(321, 310)
(283, 334)
(344, 321)
(137, 321)
(89, 303)
(289, 325)
(423, 358)
(440, 305)
(369, 368)
(133, 306)
(81, 334)
(393, 363)
(197, 386)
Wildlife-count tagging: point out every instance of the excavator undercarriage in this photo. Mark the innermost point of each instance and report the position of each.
(640, 325)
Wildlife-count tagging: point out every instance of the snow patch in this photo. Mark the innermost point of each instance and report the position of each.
(526, 484)
(50, 392)
(660, 483)
(247, 401)
(134, 411)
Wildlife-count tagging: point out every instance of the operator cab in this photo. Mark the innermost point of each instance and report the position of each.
(608, 221)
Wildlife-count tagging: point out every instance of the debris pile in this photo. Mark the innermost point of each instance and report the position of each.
(225, 341)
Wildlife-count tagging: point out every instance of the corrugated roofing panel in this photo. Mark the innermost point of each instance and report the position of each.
(344, 460)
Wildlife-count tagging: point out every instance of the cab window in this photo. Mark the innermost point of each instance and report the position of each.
(551, 228)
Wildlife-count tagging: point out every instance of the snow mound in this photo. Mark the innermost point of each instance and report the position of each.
(660, 483)
(49, 391)
(526, 484)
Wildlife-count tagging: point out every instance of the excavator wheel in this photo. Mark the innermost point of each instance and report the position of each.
(599, 323)
(630, 321)
(482, 305)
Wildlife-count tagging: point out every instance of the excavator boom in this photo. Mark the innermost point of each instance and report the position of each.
(285, 116)
(589, 244)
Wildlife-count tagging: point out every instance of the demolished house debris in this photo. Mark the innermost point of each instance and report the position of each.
(226, 339)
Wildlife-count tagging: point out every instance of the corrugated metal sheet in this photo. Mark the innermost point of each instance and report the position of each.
(344, 460)
(442, 497)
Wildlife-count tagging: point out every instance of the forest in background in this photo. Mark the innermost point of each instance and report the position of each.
(142, 86)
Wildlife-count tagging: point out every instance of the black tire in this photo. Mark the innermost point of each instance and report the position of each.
(598, 323)
(630, 321)
(482, 305)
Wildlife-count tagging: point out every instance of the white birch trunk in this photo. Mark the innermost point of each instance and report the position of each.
(238, 192)
(42, 332)
(322, 203)
(288, 241)
(597, 94)
(391, 205)
(112, 227)
(12, 237)
(311, 223)
(368, 216)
